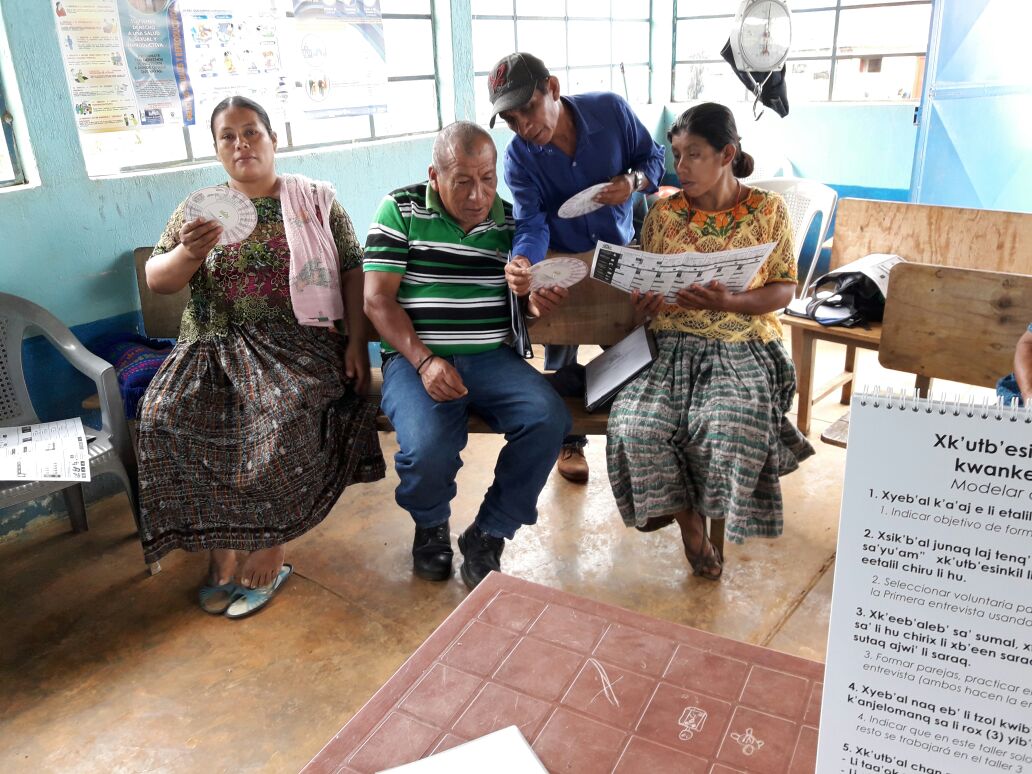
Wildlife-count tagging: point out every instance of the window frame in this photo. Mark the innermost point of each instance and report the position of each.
(515, 17)
(834, 57)
(7, 122)
(192, 159)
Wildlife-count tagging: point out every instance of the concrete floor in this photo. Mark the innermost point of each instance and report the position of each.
(104, 669)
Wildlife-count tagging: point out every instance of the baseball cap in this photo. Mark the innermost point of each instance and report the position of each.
(512, 81)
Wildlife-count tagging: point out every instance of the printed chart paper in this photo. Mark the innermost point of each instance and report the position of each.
(930, 649)
(50, 451)
(630, 269)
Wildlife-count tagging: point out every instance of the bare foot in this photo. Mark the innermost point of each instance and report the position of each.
(222, 566)
(701, 553)
(261, 567)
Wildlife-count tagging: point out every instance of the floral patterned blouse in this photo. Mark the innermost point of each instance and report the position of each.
(672, 226)
(248, 281)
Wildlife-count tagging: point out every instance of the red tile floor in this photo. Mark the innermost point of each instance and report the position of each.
(593, 687)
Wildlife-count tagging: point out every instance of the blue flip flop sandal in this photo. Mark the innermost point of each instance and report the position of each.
(215, 600)
(251, 601)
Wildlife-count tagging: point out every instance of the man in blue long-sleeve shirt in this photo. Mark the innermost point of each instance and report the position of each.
(564, 145)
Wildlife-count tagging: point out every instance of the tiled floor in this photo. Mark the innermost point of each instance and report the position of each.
(594, 688)
(104, 669)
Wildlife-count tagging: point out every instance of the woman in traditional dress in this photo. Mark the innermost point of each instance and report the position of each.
(256, 422)
(703, 432)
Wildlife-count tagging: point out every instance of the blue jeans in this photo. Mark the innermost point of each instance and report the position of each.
(1007, 388)
(557, 356)
(513, 399)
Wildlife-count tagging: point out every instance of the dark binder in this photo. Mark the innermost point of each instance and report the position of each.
(606, 375)
(519, 336)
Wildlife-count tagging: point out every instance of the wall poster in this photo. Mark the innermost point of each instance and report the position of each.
(140, 63)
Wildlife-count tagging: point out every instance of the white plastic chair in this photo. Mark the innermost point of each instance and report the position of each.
(766, 167)
(110, 453)
(805, 199)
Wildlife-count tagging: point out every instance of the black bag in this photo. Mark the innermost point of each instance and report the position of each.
(851, 291)
(768, 88)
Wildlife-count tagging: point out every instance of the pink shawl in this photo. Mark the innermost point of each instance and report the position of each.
(315, 291)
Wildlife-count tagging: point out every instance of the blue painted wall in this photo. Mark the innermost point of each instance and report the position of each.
(67, 240)
(974, 149)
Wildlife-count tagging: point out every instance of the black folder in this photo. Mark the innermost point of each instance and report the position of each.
(606, 375)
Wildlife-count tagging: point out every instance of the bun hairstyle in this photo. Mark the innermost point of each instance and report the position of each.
(241, 102)
(716, 125)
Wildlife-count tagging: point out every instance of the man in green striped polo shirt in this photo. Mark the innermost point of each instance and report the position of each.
(435, 290)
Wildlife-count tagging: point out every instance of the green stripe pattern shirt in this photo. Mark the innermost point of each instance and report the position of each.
(453, 287)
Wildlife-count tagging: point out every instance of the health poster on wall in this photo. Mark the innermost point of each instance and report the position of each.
(148, 51)
(336, 60)
(95, 65)
(140, 63)
(929, 663)
(232, 48)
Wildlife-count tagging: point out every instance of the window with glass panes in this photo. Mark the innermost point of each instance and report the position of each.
(412, 107)
(589, 45)
(10, 169)
(844, 50)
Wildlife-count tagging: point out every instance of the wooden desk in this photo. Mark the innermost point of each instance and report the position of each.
(805, 335)
(956, 237)
(515, 653)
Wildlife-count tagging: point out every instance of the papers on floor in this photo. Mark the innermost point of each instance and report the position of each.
(49, 451)
(630, 269)
(607, 373)
(503, 752)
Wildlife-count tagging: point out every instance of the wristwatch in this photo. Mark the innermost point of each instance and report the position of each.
(640, 180)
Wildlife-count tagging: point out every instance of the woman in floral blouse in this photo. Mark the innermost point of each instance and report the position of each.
(703, 432)
(255, 423)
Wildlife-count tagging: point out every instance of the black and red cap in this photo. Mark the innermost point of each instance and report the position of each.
(512, 82)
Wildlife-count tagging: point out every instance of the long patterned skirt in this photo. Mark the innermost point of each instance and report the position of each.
(704, 429)
(247, 441)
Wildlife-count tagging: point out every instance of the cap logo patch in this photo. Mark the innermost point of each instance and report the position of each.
(497, 79)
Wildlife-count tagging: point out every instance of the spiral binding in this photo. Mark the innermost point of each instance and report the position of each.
(910, 399)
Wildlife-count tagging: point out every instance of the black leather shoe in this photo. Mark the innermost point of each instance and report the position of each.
(432, 553)
(482, 553)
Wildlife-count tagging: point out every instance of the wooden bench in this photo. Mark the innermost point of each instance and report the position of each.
(594, 314)
(924, 234)
(956, 324)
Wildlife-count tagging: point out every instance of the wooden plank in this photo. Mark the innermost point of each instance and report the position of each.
(923, 233)
(831, 385)
(956, 324)
(161, 312)
(595, 313)
(837, 432)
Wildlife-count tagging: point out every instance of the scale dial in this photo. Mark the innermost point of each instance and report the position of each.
(764, 34)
